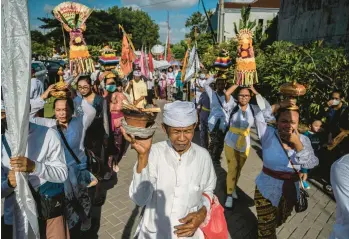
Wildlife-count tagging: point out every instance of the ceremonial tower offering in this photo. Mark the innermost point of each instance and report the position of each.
(108, 58)
(223, 61)
(245, 72)
(73, 17)
(61, 91)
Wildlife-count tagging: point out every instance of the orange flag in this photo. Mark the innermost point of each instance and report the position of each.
(127, 56)
(184, 67)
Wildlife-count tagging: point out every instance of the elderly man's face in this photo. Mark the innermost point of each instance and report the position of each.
(181, 137)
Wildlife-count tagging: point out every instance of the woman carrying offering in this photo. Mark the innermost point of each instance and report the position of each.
(237, 140)
(72, 131)
(285, 151)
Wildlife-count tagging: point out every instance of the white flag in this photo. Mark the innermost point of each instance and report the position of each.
(15, 75)
(193, 65)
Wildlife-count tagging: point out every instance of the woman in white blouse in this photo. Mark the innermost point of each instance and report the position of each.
(284, 151)
(73, 128)
(237, 140)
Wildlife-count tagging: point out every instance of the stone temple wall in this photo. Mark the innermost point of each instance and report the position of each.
(302, 21)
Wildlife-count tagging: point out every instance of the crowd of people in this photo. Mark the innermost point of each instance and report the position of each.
(174, 179)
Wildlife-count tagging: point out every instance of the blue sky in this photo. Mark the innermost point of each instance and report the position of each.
(179, 11)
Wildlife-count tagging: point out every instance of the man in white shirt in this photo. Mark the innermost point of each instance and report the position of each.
(218, 118)
(198, 87)
(36, 87)
(171, 177)
(45, 162)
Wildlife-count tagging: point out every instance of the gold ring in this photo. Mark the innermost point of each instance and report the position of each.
(133, 141)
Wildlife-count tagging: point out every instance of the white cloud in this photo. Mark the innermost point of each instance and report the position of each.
(134, 7)
(161, 4)
(48, 8)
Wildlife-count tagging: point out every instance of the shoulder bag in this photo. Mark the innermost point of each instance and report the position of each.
(94, 164)
(302, 203)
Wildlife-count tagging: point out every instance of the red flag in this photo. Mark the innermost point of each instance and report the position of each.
(150, 63)
(169, 57)
(127, 56)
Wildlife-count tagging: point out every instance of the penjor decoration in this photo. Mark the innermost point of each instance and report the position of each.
(73, 17)
(245, 71)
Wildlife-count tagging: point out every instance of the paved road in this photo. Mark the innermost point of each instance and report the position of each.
(120, 216)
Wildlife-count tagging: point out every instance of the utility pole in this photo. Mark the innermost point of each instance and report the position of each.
(220, 21)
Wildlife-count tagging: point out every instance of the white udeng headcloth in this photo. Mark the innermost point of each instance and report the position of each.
(180, 114)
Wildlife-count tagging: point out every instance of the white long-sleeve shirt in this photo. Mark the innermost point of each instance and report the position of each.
(340, 185)
(75, 133)
(45, 149)
(217, 112)
(171, 187)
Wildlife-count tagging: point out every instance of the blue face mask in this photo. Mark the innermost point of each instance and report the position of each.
(110, 88)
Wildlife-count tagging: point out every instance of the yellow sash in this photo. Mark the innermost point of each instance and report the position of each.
(344, 133)
(243, 133)
(205, 109)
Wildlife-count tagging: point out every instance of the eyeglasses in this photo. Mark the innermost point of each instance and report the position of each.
(334, 98)
(244, 96)
(83, 88)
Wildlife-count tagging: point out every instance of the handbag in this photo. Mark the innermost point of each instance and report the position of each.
(48, 207)
(94, 164)
(302, 203)
(215, 225)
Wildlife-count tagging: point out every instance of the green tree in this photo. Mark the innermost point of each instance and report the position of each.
(319, 67)
(102, 26)
(178, 50)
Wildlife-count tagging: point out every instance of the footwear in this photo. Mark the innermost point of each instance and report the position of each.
(229, 202)
(328, 188)
(234, 195)
(306, 185)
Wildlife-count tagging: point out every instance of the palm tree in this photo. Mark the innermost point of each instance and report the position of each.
(245, 22)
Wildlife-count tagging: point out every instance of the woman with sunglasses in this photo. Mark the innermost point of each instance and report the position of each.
(237, 140)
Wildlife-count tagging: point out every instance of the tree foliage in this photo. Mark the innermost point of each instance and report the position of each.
(102, 26)
(321, 68)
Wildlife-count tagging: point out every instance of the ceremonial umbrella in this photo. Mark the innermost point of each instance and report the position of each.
(15, 73)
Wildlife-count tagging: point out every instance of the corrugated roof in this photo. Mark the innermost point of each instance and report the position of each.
(257, 3)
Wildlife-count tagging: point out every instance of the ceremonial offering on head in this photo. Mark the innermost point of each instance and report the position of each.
(245, 73)
(292, 90)
(73, 17)
(223, 61)
(61, 91)
(108, 58)
(139, 122)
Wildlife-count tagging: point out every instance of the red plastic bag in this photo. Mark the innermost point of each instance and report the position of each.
(215, 225)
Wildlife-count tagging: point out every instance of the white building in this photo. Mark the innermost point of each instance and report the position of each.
(261, 10)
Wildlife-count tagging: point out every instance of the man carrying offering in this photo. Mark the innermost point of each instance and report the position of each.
(172, 178)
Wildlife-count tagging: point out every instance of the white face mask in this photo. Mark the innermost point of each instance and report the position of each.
(335, 102)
